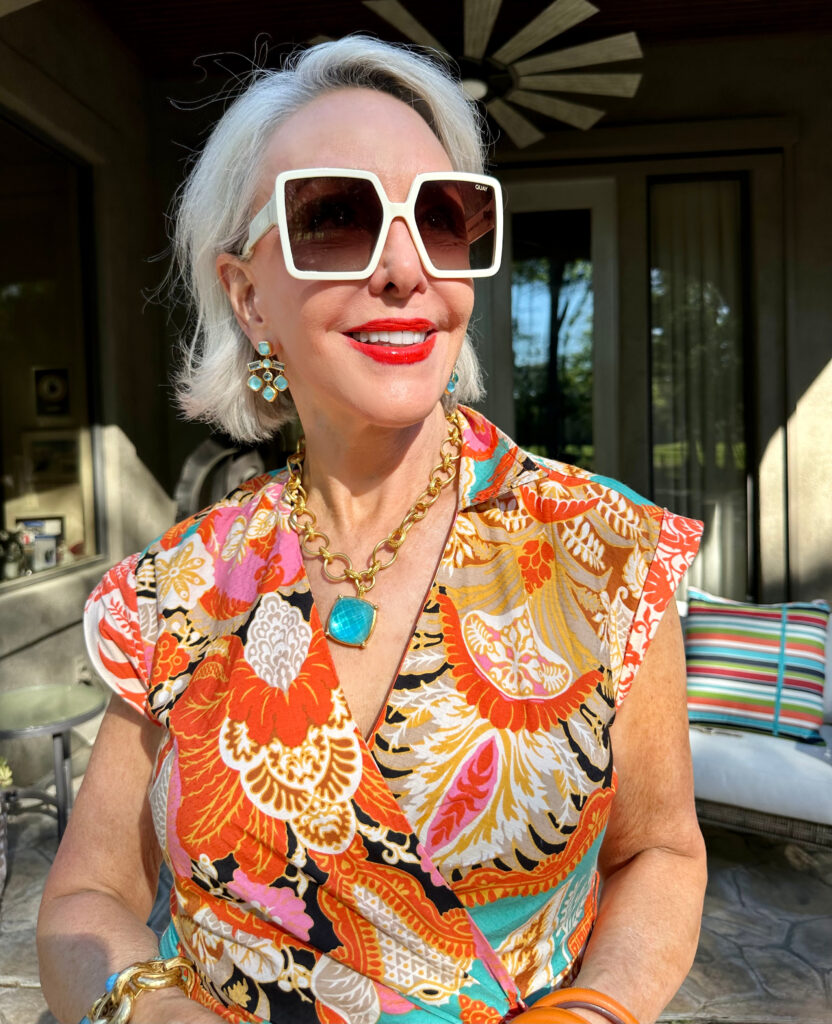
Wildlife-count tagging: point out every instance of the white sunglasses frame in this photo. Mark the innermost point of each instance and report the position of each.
(273, 214)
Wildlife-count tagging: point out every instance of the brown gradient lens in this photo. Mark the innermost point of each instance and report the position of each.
(456, 220)
(333, 222)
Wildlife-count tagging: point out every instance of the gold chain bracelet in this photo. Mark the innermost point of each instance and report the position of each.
(116, 1005)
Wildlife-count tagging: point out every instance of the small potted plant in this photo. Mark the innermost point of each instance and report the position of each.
(5, 783)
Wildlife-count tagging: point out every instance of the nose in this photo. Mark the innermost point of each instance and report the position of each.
(400, 269)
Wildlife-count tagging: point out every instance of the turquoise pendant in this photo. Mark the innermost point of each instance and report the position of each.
(351, 621)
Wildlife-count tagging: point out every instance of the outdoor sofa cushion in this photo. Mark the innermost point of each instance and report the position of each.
(759, 772)
(760, 667)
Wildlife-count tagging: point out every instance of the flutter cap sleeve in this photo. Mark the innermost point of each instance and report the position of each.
(674, 549)
(119, 652)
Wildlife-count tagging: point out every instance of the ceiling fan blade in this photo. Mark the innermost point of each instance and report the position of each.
(518, 128)
(576, 114)
(601, 51)
(9, 6)
(480, 16)
(556, 18)
(598, 85)
(400, 18)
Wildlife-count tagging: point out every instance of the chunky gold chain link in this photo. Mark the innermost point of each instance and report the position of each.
(116, 1006)
(303, 520)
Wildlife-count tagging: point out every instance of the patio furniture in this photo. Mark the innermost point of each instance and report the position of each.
(54, 710)
(766, 784)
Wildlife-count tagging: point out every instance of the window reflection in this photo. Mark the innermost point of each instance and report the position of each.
(45, 450)
(552, 306)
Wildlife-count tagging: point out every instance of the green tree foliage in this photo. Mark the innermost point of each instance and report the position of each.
(553, 393)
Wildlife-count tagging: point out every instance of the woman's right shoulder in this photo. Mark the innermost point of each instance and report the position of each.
(255, 496)
(123, 613)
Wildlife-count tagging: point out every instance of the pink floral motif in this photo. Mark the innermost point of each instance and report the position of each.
(392, 1002)
(179, 859)
(278, 902)
(468, 796)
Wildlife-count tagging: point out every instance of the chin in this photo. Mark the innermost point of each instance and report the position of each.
(405, 408)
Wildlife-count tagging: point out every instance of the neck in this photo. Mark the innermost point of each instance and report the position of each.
(371, 475)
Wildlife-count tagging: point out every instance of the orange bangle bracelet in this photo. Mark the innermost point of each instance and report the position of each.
(584, 999)
(547, 1015)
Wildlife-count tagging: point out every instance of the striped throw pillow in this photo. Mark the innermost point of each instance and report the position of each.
(757, 666)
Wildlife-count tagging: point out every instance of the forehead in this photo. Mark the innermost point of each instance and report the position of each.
(357, 128)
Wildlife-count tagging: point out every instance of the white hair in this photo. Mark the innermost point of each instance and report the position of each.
(214, 207)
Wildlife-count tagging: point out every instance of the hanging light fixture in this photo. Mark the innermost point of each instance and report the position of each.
(506, 80)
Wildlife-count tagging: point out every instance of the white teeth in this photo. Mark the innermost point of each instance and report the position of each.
(391, 337)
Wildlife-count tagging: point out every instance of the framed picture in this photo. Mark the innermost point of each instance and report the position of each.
(52, 391)
(51, 457)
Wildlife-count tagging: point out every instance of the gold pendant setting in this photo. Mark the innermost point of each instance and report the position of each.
(351, 621)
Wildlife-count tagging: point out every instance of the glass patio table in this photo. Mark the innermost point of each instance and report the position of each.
(50, 709)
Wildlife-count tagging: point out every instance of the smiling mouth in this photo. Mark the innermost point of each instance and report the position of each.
(398, 338)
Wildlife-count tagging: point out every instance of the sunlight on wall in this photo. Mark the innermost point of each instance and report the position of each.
(810, 478)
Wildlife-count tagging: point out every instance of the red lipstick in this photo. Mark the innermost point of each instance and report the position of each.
(400, 355)
(389, 352)
(393, 324)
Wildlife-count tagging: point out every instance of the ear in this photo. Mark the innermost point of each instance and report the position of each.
(237, 279)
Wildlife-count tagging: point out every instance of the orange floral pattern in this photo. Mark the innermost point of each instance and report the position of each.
(535, 561)
(446, 868)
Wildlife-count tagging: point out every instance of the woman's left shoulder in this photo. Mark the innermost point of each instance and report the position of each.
(565, 498)
(569, 492)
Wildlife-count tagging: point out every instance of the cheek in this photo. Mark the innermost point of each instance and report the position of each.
(460, 301)
(301, 311)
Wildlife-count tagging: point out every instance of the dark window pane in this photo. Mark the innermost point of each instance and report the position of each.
(552, 316)
(45, 449)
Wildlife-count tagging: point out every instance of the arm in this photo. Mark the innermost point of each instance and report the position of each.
(653, 857)
(102, 884)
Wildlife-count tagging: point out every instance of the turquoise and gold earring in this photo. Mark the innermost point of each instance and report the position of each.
(450, 387)
(273, 379)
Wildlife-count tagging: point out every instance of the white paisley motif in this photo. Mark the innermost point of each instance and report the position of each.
(635, 572)
(278, 642)
(234, 549)
(343, 990)
(510, 651)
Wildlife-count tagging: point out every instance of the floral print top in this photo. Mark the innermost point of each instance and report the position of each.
(444, 869)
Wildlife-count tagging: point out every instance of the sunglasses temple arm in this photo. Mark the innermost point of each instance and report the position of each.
(264, 220)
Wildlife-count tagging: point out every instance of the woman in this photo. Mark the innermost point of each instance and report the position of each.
(373, 694)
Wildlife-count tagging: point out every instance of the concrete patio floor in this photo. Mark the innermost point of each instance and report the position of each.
(765, 956)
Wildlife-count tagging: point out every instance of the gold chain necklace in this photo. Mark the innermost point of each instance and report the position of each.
(352, 619)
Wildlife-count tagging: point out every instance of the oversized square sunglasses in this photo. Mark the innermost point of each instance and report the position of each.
(333, 223)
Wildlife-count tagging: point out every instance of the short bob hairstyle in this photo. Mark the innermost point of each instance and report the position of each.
(215, 204)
